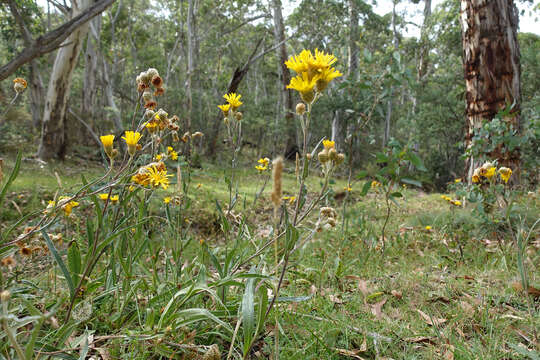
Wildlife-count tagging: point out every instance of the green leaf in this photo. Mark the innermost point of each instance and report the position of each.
(74, 260)
(248, 314)
(411, 182)
(60, 263)
(396, 194)
(362, 174)
(11, 177)
(365, 188)
(417, 162)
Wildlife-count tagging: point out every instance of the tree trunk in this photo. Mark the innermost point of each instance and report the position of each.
(491, 64)
(53, 139)
(192, 53)
(291, 146)
(89, 90)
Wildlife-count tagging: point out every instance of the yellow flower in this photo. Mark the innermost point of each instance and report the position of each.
(131, 188)
(263, 164)
(67, 206)
(428, 228)
(264, 161)
(291, 199)
(199, 185)
(304, 85)
(375, 183)
(347, 188)
(167, 199)
(113, 198)
(131, 139)
(456, 202)
(173, 154)
(158, 177)
(329, 144)
(505, 173)
(490, 172)
(300, 63)
(322, 60)
(158, 157)
(225, 108)
(456, 181)
(233, 99)
(107, 141)
(151, 126)
(325, 76)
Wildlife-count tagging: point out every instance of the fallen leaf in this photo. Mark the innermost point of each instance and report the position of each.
(421, 340)
(429, 320)
(363, 286)
(350, 353)
(376, 309)
(335, 299)
(363, 347)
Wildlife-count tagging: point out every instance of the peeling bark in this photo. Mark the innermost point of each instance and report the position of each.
(491, 68)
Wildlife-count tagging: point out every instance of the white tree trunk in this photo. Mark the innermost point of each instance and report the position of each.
(53, 139)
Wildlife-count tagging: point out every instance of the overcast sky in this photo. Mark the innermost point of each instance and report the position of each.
(528, 19)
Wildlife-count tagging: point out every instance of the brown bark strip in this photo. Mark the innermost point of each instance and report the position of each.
(491, 68)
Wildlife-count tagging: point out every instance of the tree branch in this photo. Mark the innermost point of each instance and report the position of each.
(53, 39)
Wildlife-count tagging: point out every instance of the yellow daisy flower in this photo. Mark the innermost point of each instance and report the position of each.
(131, 139)
(505, 173)
(304, 85)
(233, 99)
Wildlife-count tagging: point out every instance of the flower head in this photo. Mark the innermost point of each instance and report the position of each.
(304, 85)
(329, 144)
(325, 76)
(107, 141)
(131, 139)
(167, 199)
(505, 173)
(158, 177)
(233, 99)
(19, 85)
(428, 228)
(225, 108)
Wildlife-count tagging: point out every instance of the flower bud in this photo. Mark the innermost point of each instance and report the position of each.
(300, 108)
(333, 154)
(323, 156)
(238, 115)
(340, 158)
(308, 156)
(175, 136)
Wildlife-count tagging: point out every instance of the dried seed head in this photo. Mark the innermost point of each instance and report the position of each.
(151, 72)
(277, 174)
(238, 115)
(340, 158)
(212, 353)
(149, 114)
(300, 108)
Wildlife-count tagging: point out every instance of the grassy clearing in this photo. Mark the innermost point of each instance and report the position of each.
(445, 293)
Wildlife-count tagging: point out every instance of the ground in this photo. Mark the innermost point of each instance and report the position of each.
(441, 289)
